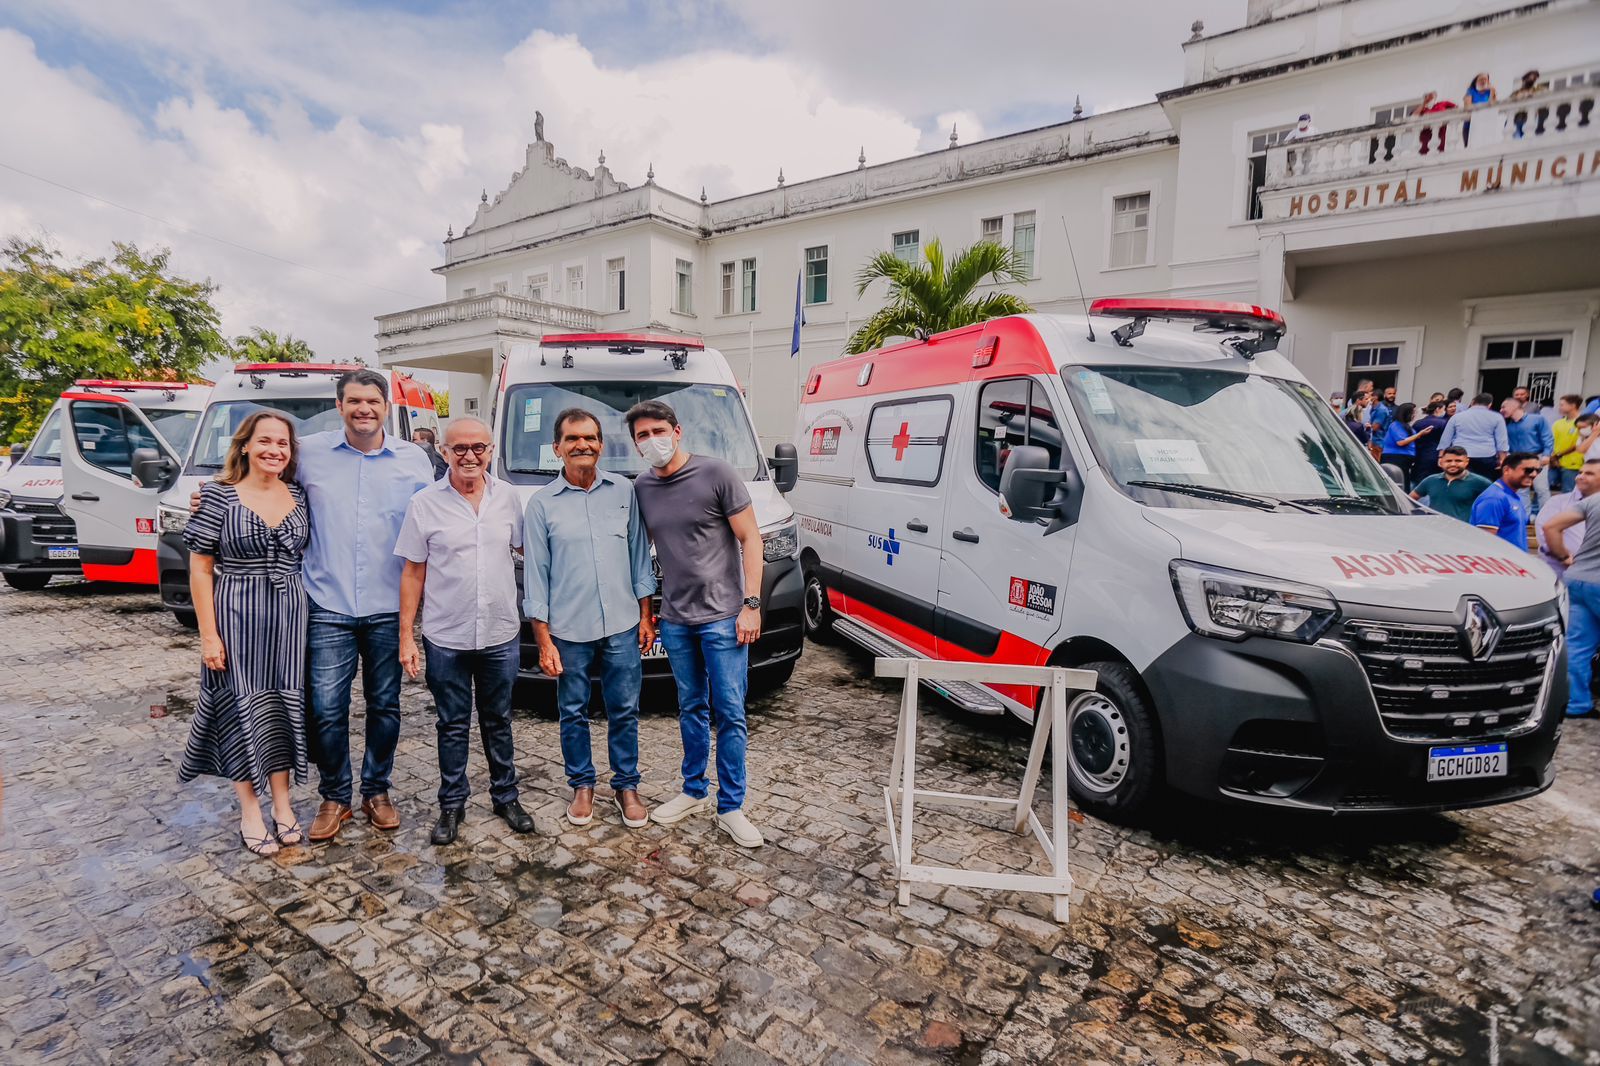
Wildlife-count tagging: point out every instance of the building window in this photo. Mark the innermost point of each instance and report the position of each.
(539, 286)
(616, 284)
(747, 285)
(502, 286)
(906, 244)
(992, 229)
(468, 292)
(575, 286)
(1022, 241)
(727, 288)
(1378, 363)
(1394, 113)
(1013, 413)
(906, 439)
(816, 291)
(1260, 141)
(683, 294)
(1130, 230)
(1571, 79)
(1506, 349)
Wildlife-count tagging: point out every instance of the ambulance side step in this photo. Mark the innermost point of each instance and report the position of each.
(974, 699)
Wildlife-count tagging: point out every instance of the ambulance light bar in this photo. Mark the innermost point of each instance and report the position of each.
(675, 348)
(165, 386)
(1210, 315)
(297, 368)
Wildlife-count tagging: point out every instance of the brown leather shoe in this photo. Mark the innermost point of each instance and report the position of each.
(330, 816)
(635, 815)
(581, 810)
(380, 812)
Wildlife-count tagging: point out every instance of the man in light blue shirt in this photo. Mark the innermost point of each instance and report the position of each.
(358, 481)
(1482, 432)
(587, 583)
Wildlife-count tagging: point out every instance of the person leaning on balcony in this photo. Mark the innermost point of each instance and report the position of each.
(1480, 91)
(1530, 86)
(1302, 130)
(1432, 104)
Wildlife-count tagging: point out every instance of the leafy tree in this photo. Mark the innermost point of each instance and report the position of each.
(262, 345)
(936, 294)
(127, 316)
(441, 403)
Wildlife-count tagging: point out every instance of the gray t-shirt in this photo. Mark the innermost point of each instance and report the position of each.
(1586, 560)
(702, 578)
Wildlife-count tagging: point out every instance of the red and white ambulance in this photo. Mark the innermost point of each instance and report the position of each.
(53, 517)
(1151, 491)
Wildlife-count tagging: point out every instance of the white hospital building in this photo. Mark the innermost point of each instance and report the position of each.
(1454, 248)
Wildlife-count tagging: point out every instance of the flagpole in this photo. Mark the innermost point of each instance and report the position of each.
(750, 375)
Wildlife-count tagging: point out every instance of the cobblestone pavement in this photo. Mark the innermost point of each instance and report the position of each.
(134, 929)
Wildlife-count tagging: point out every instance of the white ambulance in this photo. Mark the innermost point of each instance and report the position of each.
(607, 373)
(1153, 492)
(52, 513)
(307, 393)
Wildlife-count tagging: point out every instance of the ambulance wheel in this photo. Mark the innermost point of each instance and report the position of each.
(1112, 745)
(187, 619)
(27, 582)
(817, 613)
(770, 679)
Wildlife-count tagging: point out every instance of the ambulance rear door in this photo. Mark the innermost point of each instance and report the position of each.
(114, 512)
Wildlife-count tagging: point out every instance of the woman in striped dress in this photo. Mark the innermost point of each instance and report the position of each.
(246, 541)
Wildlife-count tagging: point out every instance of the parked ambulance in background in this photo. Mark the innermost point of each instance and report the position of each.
(307, 393)
(1174, 507)
(607, 373)
(53, 518)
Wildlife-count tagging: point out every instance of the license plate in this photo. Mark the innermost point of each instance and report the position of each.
(61, 553)
(1472, 760)
(656, 651)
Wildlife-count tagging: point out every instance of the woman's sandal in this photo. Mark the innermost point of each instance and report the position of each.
(256, 847)
(294, 829)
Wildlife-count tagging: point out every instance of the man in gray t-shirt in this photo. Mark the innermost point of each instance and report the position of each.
(1583, 587)
(698, 514)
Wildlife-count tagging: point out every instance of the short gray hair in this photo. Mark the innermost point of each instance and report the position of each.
(468, 420)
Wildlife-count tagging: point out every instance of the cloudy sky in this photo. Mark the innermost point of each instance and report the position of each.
(307, 156)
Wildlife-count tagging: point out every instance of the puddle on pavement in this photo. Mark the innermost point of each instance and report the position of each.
(189, 966)
(179, 705)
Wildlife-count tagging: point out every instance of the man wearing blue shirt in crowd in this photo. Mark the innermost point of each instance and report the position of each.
(1529, 431)
(1499, 510)
(358, 481)
(1482, 432)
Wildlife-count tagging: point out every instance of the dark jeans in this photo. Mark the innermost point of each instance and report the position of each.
(452, 678)
(1562, 479)
(335, 642)
(1488, 466)
(620, 675)
(712, 671)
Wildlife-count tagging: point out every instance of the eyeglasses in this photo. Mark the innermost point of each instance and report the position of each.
(461, 450)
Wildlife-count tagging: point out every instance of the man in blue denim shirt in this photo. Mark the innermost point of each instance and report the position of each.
(700, 518)
(587, 585)
(358, 481)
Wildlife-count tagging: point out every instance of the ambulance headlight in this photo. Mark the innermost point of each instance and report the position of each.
(1234, 605)
(781, 543)
(5, 499)
(172, 519)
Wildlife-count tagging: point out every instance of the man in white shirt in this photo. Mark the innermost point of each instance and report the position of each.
(457, 540)
(1301, 131)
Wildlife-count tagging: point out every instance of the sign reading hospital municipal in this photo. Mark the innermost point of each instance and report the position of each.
(1413, 187)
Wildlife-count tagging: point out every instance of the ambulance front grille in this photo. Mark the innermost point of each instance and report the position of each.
(50, 526)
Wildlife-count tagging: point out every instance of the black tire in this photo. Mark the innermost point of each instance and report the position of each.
(187, 619)
(816, 614)
(770, 679)
(26, 582)
(1113, 745)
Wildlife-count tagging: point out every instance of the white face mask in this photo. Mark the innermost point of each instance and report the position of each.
(1585, 431)
(658, 451)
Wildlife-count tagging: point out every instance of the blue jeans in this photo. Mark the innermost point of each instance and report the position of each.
(335, 643)
(452, 676)
(620, 675)
(712, 671)
(1562, 479)
(1583, 639)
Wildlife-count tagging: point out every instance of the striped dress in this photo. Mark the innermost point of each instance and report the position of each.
(250, 720)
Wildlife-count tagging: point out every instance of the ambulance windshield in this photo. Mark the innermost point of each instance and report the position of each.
(46, 447)
(311, 414)
(1191, 437)
(712, 417)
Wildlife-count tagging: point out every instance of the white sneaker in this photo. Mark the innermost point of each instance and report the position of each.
(680, 807)
(736, 825)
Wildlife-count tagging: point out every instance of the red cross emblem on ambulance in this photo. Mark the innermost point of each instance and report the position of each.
(901, 441)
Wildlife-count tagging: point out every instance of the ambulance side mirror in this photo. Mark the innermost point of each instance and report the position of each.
(1396, 475)
(1029, 483)
(152, 470)
(785, 464)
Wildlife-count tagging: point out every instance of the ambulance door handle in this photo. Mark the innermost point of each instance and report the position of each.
(85, 497)
(967, 535)
(917, 527)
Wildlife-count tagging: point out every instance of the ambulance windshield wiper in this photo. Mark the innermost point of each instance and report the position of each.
(1334, 503)
(1217, 492)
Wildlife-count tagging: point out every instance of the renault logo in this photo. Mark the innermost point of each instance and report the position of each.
(1480, 629)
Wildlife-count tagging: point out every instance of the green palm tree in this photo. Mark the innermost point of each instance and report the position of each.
(262, 345)
(936, 295)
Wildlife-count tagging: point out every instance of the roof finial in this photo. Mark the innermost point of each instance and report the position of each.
(780, 177)
(450, 232)
(538, 125)
(861, 160)
(952, 135)
(650, 175)
(1196, 31)
(702, 194)
(483, 197)
(602, 157)
(1077, 106)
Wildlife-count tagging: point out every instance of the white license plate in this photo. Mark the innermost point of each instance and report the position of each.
(656, 651)
(61, 553)
(1472, 760)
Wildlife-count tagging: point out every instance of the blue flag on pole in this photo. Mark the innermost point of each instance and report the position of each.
(799, 318)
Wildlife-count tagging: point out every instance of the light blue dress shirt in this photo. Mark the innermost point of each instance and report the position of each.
(358, 502)
(587, 558)
(1530, 433)
(1480, 430)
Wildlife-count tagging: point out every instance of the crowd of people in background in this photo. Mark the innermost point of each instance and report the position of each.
(1480, 93)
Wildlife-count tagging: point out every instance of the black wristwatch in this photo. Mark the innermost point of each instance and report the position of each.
(753, 602)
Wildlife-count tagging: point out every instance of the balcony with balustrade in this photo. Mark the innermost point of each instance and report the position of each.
(1512, 163)
(457, 334)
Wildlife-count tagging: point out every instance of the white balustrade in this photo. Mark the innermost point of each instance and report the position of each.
(489, 305)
